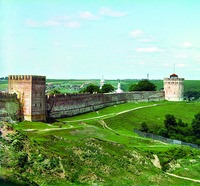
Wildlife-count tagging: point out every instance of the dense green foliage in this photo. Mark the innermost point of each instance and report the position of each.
(192, 95)
(181, 131)
(143, 85)
(144, 127)
(90, 89)
(55, 92)
(106, 88)
(196, 127)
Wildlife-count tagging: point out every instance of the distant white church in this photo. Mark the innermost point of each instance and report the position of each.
(102, 82)
(119, 90)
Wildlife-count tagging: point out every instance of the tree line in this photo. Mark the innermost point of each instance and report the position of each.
(176, 129)
(143, 85)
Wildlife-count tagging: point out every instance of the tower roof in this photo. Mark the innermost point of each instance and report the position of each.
(173, 76)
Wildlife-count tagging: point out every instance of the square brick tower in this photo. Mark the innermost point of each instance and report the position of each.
(31, 92)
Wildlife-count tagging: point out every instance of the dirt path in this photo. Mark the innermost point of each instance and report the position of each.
(49, 129)
(137, 108)
(102, 122)
(97, 117)
(112, 114)
(184, 178)
(105, 126)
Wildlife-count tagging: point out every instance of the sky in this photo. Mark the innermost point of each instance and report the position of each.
(85, 39)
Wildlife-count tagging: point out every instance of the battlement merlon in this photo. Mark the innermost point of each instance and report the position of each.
(27, 77)
(7, 95)
(175, 79)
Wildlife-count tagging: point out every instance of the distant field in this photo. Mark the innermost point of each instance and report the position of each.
(74, 85)
(3, 85)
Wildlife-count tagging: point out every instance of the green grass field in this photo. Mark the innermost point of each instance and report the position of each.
(101, 148)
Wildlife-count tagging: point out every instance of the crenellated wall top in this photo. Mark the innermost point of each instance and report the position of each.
(67, 95)
(87, 95)
(7, 95)
(26, 77)
(174, 79)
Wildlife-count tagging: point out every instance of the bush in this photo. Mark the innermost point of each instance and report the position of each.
(144, 127)
(143, 85)
(90, 89)
(106, 88)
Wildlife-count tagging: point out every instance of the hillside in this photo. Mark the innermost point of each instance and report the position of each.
(98, 148)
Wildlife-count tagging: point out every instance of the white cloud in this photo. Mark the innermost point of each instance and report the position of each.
(166, 64)
(197, 59)
(35, 24)
(141, 36)
(56, 44)
(51, 23)
(186, 44)
(181, 56)
(32, 23)
(88, 15)
(137, 33)
(104, 11)
(62, 18)
(72, 24)
(79, 46)
(150, 49)
(148, 39)
(182, 65)
(141, 63)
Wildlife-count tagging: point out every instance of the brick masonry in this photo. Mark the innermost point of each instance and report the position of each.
(27, 100)
(31, 92)
(9, 107)
(74, 104)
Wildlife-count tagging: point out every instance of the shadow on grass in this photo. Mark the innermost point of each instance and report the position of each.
(7, 182)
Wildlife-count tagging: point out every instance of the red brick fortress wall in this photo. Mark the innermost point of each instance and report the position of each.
(9, 108)
(73, 104)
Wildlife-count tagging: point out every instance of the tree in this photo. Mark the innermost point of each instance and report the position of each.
(170, 124)
(55, 92)
(192, 95)
(163, 132)
(106, 88)
(91, 89)
(132, 87)
(144, 127)
(196, 126)
(143, 85)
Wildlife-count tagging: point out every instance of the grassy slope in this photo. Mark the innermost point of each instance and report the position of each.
(154, 116)
(115, 155)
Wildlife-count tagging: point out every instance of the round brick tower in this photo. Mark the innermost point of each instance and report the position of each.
(174, 88)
